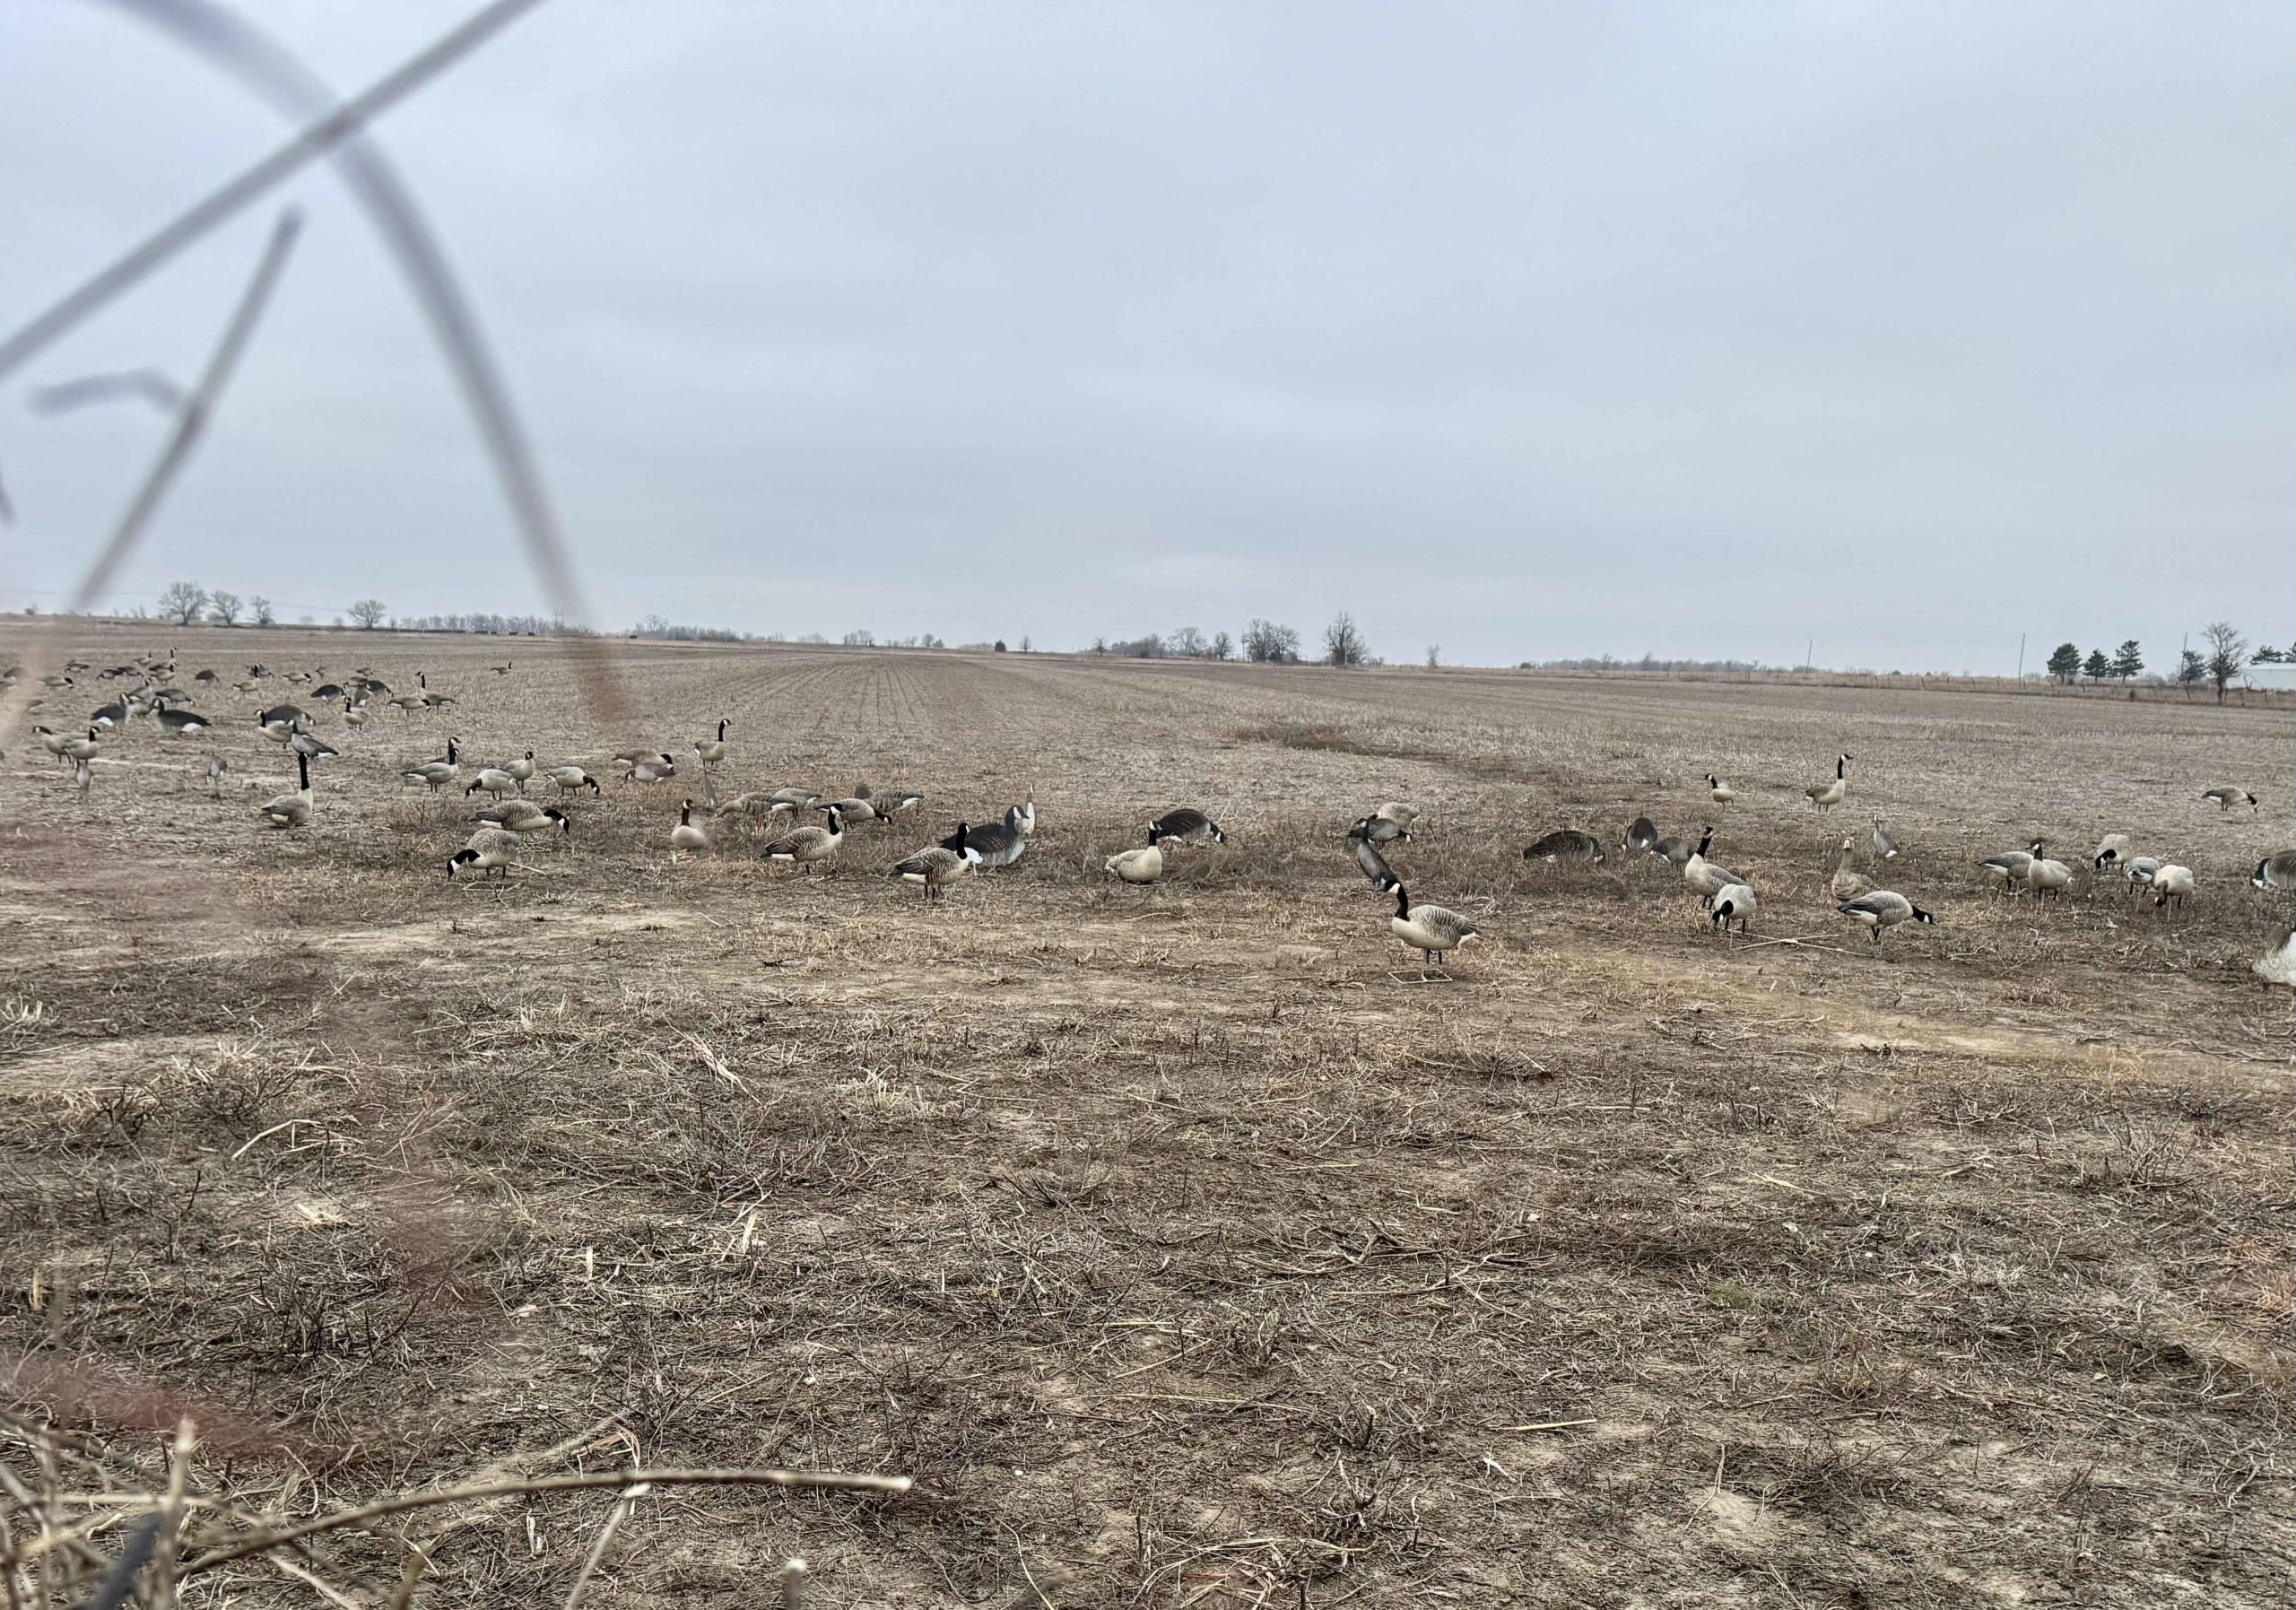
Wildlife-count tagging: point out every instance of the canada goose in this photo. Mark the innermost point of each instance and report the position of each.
(182, 722)
(524, 816)
(710, 750)
(1566, 844)
(2279, 966)
(54, 742)
(437, 773)
(936, 866)
(494, 781)
(1704, 877)
(217, 766)
(2009, 867)
(995, 844)
(660, 768)
(203, 676)
(886, 801)
(2227, 796)
(2112, 849)
(855, 810)
(54, 680)
(304, 744)
(573, 779)
(82, 749)
(2276, 872)
(1142, 866)
(289, 810)
(793, 798)
(282, 715)
(1886, 848)
(1825, 794)
(1718, 791)
(2046, 877)
(1187, 826)
(1380, 829)
(328, 691)
(278, 732)
(1433, 931)
(243, 687)
(502, 670)
(522, 768)
(354, 715)
(2139, 873)
(809, 846)
(1398, 812)
(489, 849)
(1023, 816)
(1883, 910)
(2172, 884)
(112, 714)
(1678, 850)
(1641, 836)
(1735, 902)
(1846, 885)
(1375, 867)
(685, 838)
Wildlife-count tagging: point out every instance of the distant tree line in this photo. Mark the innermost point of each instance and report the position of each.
(2226, 656)
(1648, 662)
(1263, 642)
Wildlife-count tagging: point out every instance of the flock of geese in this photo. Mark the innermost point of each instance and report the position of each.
(511, 818)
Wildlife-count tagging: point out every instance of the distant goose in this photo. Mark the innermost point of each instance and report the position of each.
(1433, 931)
(660, 769)
(354, 715)
(935, 867)
(685, 838)
(303, 743)
(289, 810)
(1718, 791)
(1846, 885)
(524, 816)
(1186, 824)
(489, 849)
(1380, 829)
(793, 798)
(2139, 873)
(2008, 868)
(807, 848)
(1883, 910)
(493, 781)
(328, 691)
(2279, 966)
(522, 768)
(83, 773)
(1833, 792)
(1375, 867)
(282, 715)
(112, 714)
(710, 750)
(2276, 872)
(573, 779)
(2172, 885)
(82, 749)
(2227, 796)
(1142, 866)
(855, 809)
(436, 773)
(2046, 877)
(184, 724)
(278, 732)
(1704, 877)
(217, 766)
(1735, 902)
(886, 801)
(1641, 836)
(2112, 849)
(1566, 844)
(1886, 848)
(1678, 850)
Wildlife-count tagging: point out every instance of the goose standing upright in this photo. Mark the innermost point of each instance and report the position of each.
(685, 838)
(935, 867)
(1846, 885)
(1433, 931)
(1834, 791)
(1886, 848)
(805, 848)
(290, 810)
(437, 773)
(1718, 791)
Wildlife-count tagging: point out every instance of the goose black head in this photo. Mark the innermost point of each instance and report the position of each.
(461, 858)
(1921, 916)
(565, 822)
(591, 783)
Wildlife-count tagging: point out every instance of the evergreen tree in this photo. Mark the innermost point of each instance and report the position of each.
(2096, 668)
(2065, 665)
(2128, 661)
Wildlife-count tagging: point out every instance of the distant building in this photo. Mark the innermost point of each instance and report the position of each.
(2279, 677)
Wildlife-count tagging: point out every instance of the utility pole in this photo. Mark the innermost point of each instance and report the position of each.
(2021, 657)
(1807, 653)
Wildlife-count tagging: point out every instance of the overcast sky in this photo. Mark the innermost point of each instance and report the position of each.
(1527, 330)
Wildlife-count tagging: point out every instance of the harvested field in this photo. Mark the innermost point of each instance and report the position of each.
(1187, 1245)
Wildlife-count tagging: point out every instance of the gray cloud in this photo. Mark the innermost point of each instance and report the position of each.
(1704, 330)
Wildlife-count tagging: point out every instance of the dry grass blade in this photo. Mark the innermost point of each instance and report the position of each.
(163, 1564)
(615, 1517)
(887, 1486)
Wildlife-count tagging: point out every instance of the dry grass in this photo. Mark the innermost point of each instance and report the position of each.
(1186, 1244)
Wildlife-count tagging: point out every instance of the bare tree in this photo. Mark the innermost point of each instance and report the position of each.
(2228, 652)
(1188, 642)
(368, 613)
(1222, 647)
(225, 608)
(1343, 643)
(1434, 655)
(182, 602)
(1269, 644)
(264, 615)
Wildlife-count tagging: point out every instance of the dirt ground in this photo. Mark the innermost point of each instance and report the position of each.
(1187, 1245)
